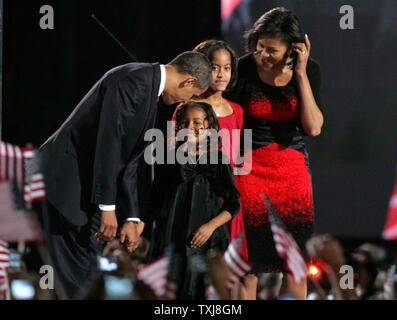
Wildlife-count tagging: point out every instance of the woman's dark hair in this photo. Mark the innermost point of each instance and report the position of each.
(209, 47)
(277, 23)
(213, 123)
(194, 64)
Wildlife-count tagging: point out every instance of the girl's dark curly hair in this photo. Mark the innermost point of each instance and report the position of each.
(180, 119)
(209, 47)
(277, 23)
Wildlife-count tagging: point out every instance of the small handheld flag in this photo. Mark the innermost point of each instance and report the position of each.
(286, 246)
(4, 263)
(16, 223)
(238, 265)
(21, 165)
(156, 275)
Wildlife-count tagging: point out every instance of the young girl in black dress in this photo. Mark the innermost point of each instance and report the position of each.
(187, 210)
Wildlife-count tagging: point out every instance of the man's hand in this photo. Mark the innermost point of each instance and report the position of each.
(108, 230)
(141, 227)
(129, 236)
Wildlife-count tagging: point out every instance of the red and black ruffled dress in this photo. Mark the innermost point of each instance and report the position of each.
(280, 164)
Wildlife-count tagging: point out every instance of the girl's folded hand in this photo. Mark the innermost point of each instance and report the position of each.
(201, 235)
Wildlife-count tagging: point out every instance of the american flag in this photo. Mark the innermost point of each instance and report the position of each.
(238, 265)
(170, 291)
(390, 228)
(21, 165)
(34, 190)
(16, 224)
(389, 283)
(155, 274)
(286, 246)
(4, 263)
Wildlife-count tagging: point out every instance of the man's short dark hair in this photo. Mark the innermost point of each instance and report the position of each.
(194, 64)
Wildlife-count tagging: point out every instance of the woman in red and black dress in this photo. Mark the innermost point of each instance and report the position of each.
(278, 88)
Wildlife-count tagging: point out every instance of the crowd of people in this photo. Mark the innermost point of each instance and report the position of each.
(374, 276)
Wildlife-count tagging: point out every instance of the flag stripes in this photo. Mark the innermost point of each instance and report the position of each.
(155, 274)
(3, 280)
(19, 165)
(286, 246)
(238, 265)
(4, 254)
(170, 291)
(287, 249)
(16, 224)
(4, 263)
(35, 190)
(12, 163)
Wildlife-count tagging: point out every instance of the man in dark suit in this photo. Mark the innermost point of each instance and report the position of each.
(90, 163)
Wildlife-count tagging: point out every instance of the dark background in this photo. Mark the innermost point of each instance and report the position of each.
(47, 72)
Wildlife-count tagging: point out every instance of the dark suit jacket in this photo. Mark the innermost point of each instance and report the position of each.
(93, 157)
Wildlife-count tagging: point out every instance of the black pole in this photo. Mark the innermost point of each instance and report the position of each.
(115, 39)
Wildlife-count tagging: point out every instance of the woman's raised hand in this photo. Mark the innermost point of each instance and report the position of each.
(303, 52)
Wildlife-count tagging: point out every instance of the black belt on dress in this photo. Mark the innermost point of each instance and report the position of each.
(265, 132)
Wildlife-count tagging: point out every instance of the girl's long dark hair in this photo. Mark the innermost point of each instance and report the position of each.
(209, 47)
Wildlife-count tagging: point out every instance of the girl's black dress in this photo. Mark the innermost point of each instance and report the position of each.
(184, 197)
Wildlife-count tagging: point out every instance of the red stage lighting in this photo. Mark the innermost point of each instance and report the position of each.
(314, 271)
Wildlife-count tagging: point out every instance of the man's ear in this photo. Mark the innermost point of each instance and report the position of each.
(187, 83)
(190, 82)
